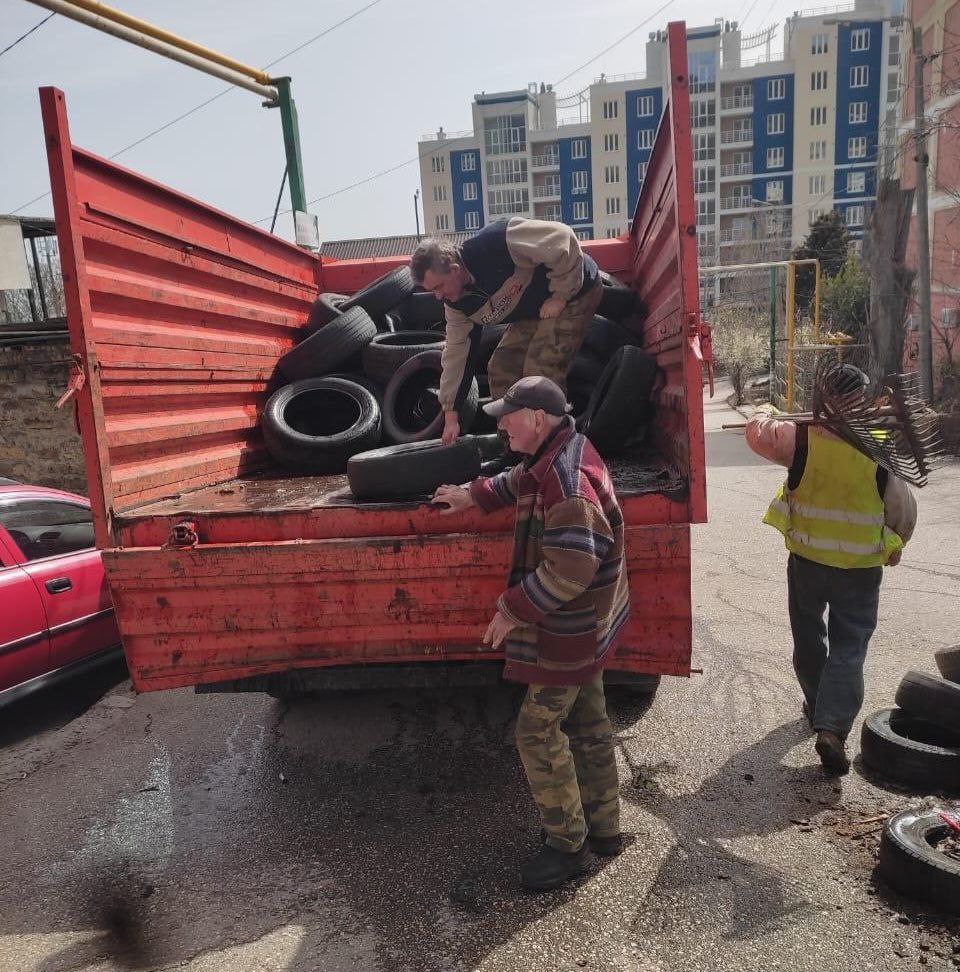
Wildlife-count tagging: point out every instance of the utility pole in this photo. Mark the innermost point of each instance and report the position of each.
(923, 220)
(416, 212)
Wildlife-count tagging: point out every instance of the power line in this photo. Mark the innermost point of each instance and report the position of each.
(10, 47)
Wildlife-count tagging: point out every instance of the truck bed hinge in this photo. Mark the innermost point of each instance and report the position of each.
(184, 535)
(75, 382)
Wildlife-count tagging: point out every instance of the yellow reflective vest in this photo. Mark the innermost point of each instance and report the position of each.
(835, 515)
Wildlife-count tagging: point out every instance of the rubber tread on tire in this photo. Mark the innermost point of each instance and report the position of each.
(412, 470)
(910, 751)
(386, 352)
(617, 301)
(948, 662)
(384, 293)
(911, 864)
(931, 698)
(326, 350)
(420, 311)
(325, 309)
(620, 404)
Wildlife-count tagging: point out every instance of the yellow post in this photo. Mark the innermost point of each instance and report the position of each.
(816, 303)
(791, 323)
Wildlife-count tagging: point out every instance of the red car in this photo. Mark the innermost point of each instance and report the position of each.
(56, 617)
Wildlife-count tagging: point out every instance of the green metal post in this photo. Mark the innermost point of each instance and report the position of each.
(773, 333)
(291, 144)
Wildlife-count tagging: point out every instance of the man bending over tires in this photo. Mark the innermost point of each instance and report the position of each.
(528, 273)
(559, 618)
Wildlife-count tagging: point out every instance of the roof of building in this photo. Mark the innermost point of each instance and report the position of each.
(381, 246)
(35, 226)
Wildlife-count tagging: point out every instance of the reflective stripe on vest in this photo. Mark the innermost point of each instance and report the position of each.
(835, 516)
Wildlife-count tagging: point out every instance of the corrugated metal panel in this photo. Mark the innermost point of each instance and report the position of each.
(178, 313)
(381, 246)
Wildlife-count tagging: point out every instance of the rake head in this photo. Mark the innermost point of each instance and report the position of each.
(894, 427)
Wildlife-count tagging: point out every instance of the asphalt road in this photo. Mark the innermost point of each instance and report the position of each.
(384, 832)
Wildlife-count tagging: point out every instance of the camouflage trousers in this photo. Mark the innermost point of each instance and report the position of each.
(542, 347)
(572, 770)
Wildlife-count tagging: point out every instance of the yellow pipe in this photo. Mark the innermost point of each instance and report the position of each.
(791, 322)
(174, 40)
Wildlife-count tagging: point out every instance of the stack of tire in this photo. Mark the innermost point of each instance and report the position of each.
(366, 372)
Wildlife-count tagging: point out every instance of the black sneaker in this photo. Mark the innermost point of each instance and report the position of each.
(606, 846)
(832, 752)
(549, 868)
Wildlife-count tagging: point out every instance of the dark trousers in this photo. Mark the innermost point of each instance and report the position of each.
(833, 613)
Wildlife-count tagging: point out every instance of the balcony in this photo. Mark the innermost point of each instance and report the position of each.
(741, 238)
(735, 202)
(735, 103)
(545, 162)
(736, 170)
(549, 191)
(737, 136)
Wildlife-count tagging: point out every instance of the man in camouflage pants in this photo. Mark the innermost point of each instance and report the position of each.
(565, 604)
(528, 273)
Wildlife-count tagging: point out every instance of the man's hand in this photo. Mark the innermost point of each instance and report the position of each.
(457, 499)
(895, 558)
(451, 428)
(552, 307)
(497, 630)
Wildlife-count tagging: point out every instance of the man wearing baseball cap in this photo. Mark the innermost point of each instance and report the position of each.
(558, 620)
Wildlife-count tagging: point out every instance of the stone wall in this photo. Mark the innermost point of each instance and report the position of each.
(39, 444)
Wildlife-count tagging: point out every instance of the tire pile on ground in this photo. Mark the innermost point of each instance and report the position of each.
(362, 384)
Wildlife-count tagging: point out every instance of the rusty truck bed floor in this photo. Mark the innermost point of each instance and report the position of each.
(642, 471)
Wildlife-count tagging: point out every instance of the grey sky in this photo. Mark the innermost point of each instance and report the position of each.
(364, 94)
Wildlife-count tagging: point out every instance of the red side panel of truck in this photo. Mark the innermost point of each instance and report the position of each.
(178, 314)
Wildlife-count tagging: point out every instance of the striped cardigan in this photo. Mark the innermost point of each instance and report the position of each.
(568, 583)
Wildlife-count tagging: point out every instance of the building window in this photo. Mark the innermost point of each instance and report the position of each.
(814, 214)
(442, 221)
(854, 216)
(645, 106)
(893, 89)
(552, 213)
(858, 112)
(704, 179)
(818, 185)
(469, 191)
(818, 151)
(611, 109)
(645, 139)
(703, 114)
(859, 76)
(611, 142)
(860, 39)
(857, 147)
(893, 52)
(581, 210)
(774, 158)
(776, 124)
(776, 89)
(818, 44)
(578, 184)
(775, 191)
(613, 205)
(856, 182)
(818, 116)
(611, 174)
(641, 171)
(613, 233)
(583, 234)
(507, 172)
(704, 147)
(468, 162)
(818, 81)
(471, 220)
(508, 202)
(505, 134)
(438, 163)
(439, 193)
(706, 211)
(578, 148)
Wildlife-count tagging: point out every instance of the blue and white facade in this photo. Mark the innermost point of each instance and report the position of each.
(776, 141)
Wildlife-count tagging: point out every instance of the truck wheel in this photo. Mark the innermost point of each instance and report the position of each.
(412, 470)
(314, 426)
(325, 309)
(605, 337)
(620, 403)
(386, 352)
(617, 301)
(948, 661)
(420, 311)
(411, 408)
(934, 699)
(326, 350)
(910, 751)
(911, 862)
(384, 293)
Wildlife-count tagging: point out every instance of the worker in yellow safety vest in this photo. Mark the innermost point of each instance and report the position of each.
(844, 519)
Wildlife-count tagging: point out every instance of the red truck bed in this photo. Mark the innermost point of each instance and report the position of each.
(178, 314)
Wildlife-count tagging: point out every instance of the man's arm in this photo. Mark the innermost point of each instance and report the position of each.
(899, 508)
(771, 438)
(453, 361)
(532, 242)
(496, 492)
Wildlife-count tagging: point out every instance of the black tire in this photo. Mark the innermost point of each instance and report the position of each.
(324, 351)
(384, 293)
(325, 309)
(629, 685)
(358, 378)
(605, 337)
(388, 324)
(386, 352)
(910, 751)
(490, 338)
(490, 446)
(617, 301)
(948, 662)
(411, 409)
(483, 385)
(420, 311)
(314, 426)
(620, 407)
(483, 424)
(911, 864)
(931, 698)
(412, 470)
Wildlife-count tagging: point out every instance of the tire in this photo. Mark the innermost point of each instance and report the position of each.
(388, 324)
(483, 424)
(490, 446)
(325, 309)
(605, 337)
(620, 404)
(631, 686)
(617, 301)
(931, 698)
(386, 352)
(911, 864)
(948, 662)
(490, 338)
(412, 470)
(420, 311)
(384, 293)
(910, 751)
(411, 410)
(314, 426)
(358, 378)
(326, 350)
